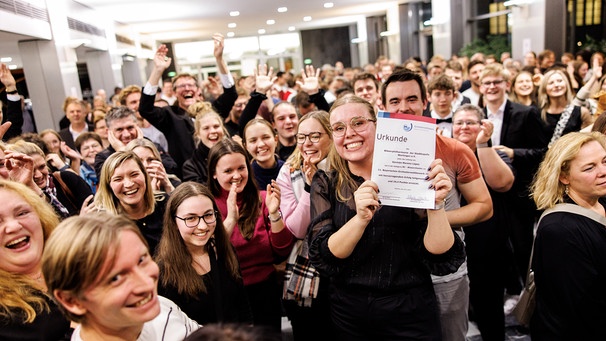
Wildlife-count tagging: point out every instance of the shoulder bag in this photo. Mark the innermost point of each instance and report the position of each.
(525, 307)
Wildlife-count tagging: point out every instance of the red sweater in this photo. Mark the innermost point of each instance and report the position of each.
(258, 255)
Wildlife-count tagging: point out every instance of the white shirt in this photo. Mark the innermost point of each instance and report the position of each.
(171, 324)
(445, 127)
(473, 96)
(497, 120)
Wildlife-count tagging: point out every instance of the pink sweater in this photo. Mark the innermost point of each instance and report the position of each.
(258, 255)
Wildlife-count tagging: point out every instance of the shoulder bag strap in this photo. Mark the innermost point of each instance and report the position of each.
(559, 129)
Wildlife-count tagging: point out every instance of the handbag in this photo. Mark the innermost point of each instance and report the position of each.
(525, 308)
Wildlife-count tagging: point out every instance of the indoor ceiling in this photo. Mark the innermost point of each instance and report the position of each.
(194, 20)
(197, 20)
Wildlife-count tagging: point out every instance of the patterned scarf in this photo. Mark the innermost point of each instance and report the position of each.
(51, 194)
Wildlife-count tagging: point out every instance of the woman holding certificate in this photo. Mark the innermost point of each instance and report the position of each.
(379, 258)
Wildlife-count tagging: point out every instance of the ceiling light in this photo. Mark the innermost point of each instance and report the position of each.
(6, 60)
(307, 18)
(388, 33)
(234, 13)
(12, 67)
(230, 34)
(517, 2)
(270, 22)
(282, 9)
(232, 25)
(261, 31)
(358, 40)
(291, 28)
(329, 5)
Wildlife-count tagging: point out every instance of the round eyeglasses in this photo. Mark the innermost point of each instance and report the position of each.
(313, 137)
(357, 123)
(194, 220)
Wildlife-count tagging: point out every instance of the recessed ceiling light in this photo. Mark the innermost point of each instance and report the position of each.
(307, 18)
(230, 34)
(282, 9)
(234, 13)
(232, 25)
(6, 60)
(291, 28)
(12, 67)
(329, 5)
(270, 22)
(261, 31)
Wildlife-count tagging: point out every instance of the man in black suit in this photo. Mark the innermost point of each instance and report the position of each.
(518, 131)
(75, 112)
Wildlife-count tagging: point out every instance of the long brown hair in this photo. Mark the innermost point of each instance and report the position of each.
(250, 210)
(173, 256)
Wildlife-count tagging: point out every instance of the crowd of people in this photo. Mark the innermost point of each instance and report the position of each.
(183, 208)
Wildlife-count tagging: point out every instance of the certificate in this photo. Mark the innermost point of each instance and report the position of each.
(405, 146)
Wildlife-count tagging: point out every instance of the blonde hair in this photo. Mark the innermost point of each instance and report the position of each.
(20, 298)
(295, 160)
(77, 265)
(345, 182)
(544, 100)
(547, 189)
(106, 199)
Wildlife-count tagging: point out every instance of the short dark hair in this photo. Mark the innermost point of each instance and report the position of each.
(441, 82)
(118, 113)
(474, 63)
(403, 76)
(85, 136)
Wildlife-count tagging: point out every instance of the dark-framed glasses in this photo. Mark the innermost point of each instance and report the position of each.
(313, 137)
(357, 123)
(495, 82)
(194, 220)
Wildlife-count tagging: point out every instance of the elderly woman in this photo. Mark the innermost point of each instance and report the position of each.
(106, 281)
(569, 260)
(26, 312)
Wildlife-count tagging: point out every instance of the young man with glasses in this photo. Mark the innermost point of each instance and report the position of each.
(468, 202)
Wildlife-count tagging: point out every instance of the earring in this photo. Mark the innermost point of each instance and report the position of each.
(566, 189)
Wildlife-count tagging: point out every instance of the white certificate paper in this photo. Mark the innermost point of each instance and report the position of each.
(405, 146)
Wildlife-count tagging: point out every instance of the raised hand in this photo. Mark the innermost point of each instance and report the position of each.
(219, 45)
(233, 214)
(310, 166)
(264, 79)
(161, 60)
(159, 178)
(272, 197)
(6, 77)
(486, 129)
(311, 82)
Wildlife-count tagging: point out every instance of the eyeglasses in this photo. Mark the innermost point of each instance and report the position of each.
(194, 220)
(467, 123)
(495, 82)
(357, 123)
(186, 85)
(313, 137)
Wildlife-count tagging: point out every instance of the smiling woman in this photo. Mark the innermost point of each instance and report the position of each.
(113, 293)
(125, 189)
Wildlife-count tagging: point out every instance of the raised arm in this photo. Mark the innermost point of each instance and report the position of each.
(439, 236)
(14, 112)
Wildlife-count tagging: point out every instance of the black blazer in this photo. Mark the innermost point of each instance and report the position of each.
(524, 132)
(68, 138)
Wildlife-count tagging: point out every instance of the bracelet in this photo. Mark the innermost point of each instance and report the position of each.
(485, 144)
(64, 167)
(277, 219)
(440, 205)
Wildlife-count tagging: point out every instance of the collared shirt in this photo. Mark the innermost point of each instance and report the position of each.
(445, 127)
(497, 120)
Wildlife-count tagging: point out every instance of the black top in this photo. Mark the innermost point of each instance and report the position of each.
(569, 264)
(196, 167)
(224, 301)
(390, 256)
(574, 122)
(47, 326)
(79, 189)
(13, 114)
(263, 176)
(152, 225)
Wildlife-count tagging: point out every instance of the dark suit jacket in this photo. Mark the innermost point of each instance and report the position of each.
(67, 136)
(524, 132)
